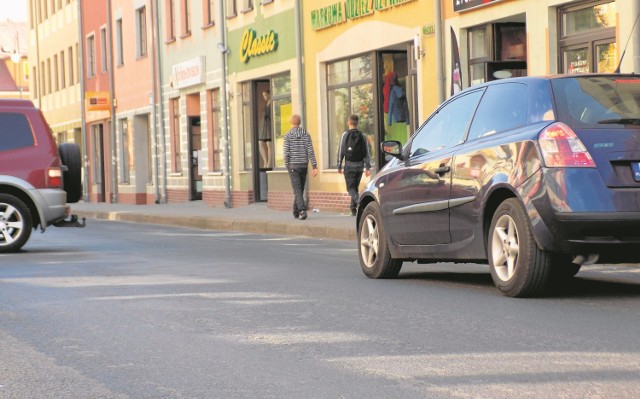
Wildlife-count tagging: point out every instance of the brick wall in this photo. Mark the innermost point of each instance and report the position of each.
(177, 196)
(283, 201)
(136, 198)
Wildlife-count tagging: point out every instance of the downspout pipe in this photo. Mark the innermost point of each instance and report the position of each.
(440, 81)
(83, 118)
(160, 99)
(112, 128)
(225, 104)
(154, 115)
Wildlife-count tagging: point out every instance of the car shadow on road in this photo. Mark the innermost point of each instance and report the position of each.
(577, 287)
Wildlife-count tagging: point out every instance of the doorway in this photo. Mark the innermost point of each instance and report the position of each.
(98, 162)
(195, 164)
(397, 100)
(263, 130)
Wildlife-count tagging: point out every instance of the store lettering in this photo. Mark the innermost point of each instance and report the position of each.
(252, 45)
(338, 13)
(380, 5)
(330, 15)
(358, 8)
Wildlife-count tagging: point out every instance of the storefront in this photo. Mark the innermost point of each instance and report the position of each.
(373, 59)
(498, 39)
(263, 93)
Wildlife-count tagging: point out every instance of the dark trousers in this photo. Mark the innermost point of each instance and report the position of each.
(298, 179)
(352, 176)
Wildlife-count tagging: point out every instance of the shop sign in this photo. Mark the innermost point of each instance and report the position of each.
(462, 5)
(98, 100)
(252, 45)
(340, 12)
(327, 16)
(188, 73)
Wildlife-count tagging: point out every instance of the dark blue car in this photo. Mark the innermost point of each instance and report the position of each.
(535, 176)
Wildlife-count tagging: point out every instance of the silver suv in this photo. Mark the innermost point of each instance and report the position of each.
(37, 179)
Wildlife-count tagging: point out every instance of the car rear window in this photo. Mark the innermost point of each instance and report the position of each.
(598, 101)
(15, 131)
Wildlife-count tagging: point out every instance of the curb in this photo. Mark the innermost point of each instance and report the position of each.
(227, 224)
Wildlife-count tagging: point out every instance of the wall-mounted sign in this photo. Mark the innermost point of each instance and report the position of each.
(98, 100)
(188, 73)
(339, 12)
(253, 45)
(462, 5)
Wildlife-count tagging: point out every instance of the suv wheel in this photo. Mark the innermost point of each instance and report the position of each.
(70, 157)
(15, 223)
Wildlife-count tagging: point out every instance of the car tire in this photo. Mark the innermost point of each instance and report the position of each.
(518, 267)
(16, 223)
(72, 179)
(373, 249)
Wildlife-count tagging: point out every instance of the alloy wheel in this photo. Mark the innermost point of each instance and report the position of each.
(505, 247)
(369, 241)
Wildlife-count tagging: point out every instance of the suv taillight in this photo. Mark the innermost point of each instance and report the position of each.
(54, 177)
(562, 148)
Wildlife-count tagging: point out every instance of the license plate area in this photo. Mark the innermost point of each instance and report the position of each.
(635, 170)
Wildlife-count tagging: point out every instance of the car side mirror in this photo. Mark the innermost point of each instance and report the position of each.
(392, 147)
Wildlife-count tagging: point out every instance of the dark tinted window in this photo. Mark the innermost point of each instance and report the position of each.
(597, 101)
(503, 107)
(447, 127)
(15, 131)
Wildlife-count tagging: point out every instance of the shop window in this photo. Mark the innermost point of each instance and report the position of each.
(398, 95)
(247, 126)
(587, 39)
(282, 109)
(350, 91)
(497, 51)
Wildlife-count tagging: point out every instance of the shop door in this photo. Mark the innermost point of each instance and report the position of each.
(195, 151)
(396, 97)
(263, 137)
(98, 162)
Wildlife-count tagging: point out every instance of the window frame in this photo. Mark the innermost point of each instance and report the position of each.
(91, 56)
(141, 32)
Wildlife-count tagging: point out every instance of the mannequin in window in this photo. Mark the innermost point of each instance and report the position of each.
(266, 134)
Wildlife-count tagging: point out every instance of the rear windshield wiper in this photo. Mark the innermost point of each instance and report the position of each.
(621, 121)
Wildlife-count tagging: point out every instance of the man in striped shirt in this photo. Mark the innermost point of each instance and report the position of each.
(298, 152)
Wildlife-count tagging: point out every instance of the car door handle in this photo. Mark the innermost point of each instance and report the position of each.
(442, 170)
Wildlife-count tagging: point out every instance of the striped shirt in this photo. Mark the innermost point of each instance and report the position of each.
(298, 149)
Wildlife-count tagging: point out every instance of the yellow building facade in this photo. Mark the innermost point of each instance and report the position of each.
(355, 52)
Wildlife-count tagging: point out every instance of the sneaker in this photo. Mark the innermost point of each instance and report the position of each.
(303, 215)
(353, 212)
(296, 215)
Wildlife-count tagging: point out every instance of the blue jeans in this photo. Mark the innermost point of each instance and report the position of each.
(298, 180)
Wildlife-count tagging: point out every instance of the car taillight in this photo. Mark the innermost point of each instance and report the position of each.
(54, 177)
(562, 148)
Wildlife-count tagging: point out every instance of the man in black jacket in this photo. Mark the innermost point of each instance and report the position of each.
(298, 152)
(354, 151)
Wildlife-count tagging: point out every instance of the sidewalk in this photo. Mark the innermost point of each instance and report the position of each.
(255, 218)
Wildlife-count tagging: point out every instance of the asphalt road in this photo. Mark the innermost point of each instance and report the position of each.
(121, 310)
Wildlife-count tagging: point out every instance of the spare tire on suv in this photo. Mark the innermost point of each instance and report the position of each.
(72, 168)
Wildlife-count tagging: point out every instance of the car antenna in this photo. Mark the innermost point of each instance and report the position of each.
(625, 46)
